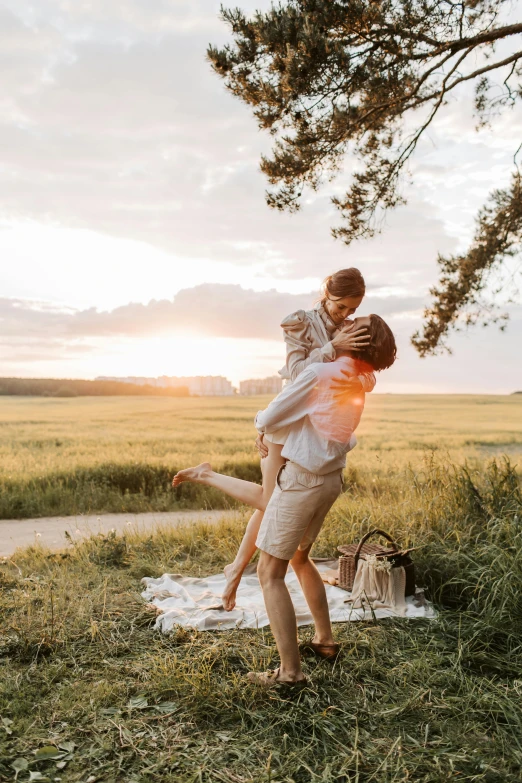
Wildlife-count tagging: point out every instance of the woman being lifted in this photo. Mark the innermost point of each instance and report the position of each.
(310, 336)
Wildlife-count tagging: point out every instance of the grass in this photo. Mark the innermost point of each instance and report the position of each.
(83, 673)
(86, 455)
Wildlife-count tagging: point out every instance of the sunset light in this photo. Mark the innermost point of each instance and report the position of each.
(181, 356)
(260, 391)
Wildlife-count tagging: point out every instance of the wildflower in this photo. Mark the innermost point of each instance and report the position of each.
(380, 564)
(77, 532)
(38, 535)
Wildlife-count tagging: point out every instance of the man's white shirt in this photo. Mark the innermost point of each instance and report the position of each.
(320, 428)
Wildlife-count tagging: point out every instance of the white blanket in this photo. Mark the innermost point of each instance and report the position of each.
(195, 603)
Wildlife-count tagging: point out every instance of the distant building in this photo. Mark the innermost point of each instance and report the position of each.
(208, 385)
(200, 385)
(272, 385)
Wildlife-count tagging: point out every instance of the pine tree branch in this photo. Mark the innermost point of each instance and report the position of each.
(329, 78)
(463, 278)
(513, 59)
(456, 45)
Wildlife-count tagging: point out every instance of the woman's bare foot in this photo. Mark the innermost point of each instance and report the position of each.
(229, 593)
(196, 474)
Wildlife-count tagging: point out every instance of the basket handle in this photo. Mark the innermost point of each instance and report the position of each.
(375, 531)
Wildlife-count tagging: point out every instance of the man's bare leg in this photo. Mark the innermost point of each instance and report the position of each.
(314, 591)
(270, 466)
(281, 614)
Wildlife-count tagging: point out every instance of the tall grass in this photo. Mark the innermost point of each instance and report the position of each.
(70, 456)
(82, 670)
(113, 487)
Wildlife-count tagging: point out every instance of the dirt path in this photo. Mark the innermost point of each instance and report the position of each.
(50, 531)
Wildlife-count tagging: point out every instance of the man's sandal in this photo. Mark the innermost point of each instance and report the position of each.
(327, 651)
(271, 680)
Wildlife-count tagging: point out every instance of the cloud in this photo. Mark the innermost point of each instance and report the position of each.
(115, 122)
(84, 343)
(211, 310)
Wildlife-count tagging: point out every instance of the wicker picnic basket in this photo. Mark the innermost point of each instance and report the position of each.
(351, 553)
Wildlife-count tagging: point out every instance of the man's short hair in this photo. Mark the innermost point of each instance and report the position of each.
(382, 350)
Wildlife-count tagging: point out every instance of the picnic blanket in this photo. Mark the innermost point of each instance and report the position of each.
(196, 602)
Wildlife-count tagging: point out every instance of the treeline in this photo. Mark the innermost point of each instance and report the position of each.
(65, 387)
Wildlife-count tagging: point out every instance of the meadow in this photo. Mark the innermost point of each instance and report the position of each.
(81, 455)
(91, 693)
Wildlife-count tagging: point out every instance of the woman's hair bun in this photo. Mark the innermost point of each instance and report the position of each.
(345, 282)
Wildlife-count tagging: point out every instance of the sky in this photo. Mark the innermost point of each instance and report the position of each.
(134, 234)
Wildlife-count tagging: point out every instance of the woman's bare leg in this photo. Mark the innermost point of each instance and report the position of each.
(234, 571)
(270, 466)
(248, 492)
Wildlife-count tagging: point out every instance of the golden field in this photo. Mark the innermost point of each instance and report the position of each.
(89, 691)
(89, 454)
(42, 435)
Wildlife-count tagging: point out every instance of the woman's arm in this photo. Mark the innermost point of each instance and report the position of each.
(296, 328)
(358, 383)
(298, 360)
(368, 381)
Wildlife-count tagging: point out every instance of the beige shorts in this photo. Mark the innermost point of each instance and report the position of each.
(296, 510)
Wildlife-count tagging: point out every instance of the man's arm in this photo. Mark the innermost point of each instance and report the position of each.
(291, 405)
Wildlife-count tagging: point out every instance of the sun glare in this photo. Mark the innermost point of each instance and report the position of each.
(188, 356)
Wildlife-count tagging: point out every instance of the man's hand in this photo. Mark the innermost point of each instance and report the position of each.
(261, 447)
(345, 391)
